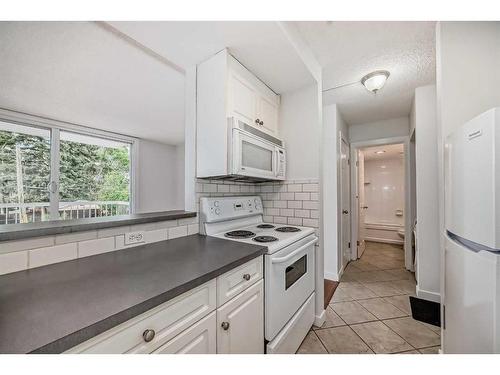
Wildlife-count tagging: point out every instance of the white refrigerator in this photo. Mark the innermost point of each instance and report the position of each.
(472, 242)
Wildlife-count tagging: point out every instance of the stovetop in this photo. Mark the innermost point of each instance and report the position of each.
(266, 234)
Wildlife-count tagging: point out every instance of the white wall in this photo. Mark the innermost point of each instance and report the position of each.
(300, 128)
(160, 177)
(396, 127)
(428, 255)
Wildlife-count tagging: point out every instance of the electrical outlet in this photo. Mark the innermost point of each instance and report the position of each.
(134, 237)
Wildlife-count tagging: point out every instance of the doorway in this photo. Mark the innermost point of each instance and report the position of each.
(345, 202)
(381, 197)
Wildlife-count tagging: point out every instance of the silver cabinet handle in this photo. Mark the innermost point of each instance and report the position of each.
(257, 121)
(246, 276)
(148, 335)
(261, 122)
(345, 212)
(225, 326)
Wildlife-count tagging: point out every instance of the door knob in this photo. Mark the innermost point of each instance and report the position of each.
(246, 276)
(225, 326)
(345, 212)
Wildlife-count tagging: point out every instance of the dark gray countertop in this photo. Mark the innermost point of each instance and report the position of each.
(10, 232)
(53, 308)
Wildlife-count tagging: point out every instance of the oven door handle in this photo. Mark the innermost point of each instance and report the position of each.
(292, 254)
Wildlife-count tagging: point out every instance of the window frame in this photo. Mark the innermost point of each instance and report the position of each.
(55, 127)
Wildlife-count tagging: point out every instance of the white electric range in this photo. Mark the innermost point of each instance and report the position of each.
(288, 266)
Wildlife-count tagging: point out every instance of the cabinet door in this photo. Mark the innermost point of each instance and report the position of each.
(242, 102)
(268, 115)
(200, 338)
(240, 323)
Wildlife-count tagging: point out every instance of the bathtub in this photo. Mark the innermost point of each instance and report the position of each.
(383, 232)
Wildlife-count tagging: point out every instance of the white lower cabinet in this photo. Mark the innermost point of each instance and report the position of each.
(241, 323)
(201, 338)
(224, 315)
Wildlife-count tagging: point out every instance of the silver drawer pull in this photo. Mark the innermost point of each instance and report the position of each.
(148, 335)
(225, 326)
(246, 276)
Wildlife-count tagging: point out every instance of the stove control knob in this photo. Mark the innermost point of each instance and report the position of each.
(216, 204)
(217, 211)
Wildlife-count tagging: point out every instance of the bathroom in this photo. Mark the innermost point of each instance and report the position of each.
(382, 193)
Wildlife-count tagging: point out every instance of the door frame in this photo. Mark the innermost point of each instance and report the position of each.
(355, 146)
(340, 254)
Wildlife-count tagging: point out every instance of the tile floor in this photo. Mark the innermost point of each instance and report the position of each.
(370, 310)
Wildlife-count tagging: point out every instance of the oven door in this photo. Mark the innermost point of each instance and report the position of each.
(289, 280)
(253, 156)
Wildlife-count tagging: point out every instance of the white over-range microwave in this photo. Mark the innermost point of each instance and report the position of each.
(253, 154)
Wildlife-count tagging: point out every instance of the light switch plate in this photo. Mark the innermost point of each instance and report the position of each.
(134, 238)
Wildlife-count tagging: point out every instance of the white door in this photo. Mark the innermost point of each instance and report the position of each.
(345, 203)
(243, 100)
(362, 207)
(240, 323)
(267, 113)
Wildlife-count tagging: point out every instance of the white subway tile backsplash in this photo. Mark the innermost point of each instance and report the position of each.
(54, 254)
(302, 196)
(176, 232)
(295, 187)
(93, 247)
(209, 188)
(280, 204)
(268, 219)
(223, 188)
(271, 211)
(294, 204)
(75, 237)
(142, 227)
(295, 221)
(235, 189)
(311, 223)
(301, 213)
(13, 262)
(310, 188)
(311, 205)
(267, 189)
(268, 204)
(280, 220)
(286, 212)
(167, 224)
(188, 220)
(314, 196)
(111, 232)
(287, 196)
(193, 229)
(32, 243)
(157, 235)
(314, 214)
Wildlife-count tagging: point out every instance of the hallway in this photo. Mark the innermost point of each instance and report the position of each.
(370, 310)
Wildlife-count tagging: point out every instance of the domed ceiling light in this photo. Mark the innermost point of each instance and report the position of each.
(374, 81)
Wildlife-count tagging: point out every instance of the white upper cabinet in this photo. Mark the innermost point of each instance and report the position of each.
(242, 101)
(267, 114)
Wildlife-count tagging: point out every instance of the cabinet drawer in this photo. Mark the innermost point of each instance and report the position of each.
(237, 280)
(198, 339)
(167, 321)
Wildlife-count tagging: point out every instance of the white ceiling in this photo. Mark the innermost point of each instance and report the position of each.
(349, 50)
(391, 152)
(81, 73)
(259, 45)
(87, 73)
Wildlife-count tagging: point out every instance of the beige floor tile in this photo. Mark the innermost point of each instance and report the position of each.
(418, 335)
(364, 266)
(402, 274)
(431, 350)
(331, 319)
(402, 302)
(381, 338)
(384, 288)
(353, 312)
(346, 277)
(408, 286)
(433, 328)
(409, 352)
(311, 345)
(342, 340)
(340, 295)
(382, 309)
(357, 291)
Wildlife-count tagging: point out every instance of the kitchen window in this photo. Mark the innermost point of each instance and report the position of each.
(52, 173)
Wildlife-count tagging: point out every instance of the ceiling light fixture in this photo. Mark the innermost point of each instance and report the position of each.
(380, 152)
(374, 81)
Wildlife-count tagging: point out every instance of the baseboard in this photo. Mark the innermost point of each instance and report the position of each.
(319, 320)
(384, 240)
(430, 296)
(333, 276)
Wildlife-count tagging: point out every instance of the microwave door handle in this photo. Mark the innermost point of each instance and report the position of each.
(276, 163)
(292, 254)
